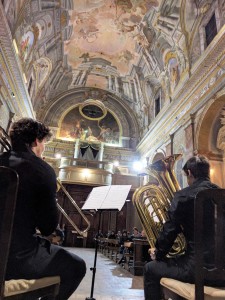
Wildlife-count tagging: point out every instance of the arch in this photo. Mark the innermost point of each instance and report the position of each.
(159, 155)
(94, 128)
(125, 117)
(208, 127)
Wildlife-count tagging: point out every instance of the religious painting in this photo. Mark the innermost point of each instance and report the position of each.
(174, 72)
(75, 126)
(26, 45)
(43, 67)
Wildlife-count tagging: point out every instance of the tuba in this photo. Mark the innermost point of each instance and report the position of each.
(6, 145)
(152, 201)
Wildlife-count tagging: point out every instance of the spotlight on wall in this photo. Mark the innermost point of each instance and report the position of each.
(212, 171)
(58, 155)
(86, 173)
(116, 163)
(138, 166)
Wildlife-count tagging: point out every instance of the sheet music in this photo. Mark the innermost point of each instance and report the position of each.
(107, 197)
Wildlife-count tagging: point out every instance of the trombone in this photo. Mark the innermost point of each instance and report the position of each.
(83, 232)
(5, 142)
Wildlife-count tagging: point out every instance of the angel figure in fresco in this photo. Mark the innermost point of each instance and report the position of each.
(104, 133)
(174, 72)
(126, 56)
(25, 46)
(85, 57)
(174, 75)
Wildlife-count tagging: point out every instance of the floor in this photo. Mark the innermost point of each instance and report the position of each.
(112, 282)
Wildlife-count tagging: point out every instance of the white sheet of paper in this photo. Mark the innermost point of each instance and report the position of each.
(107, 197)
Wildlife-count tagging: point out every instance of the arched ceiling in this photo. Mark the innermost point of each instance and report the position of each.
(108, 30)
(122, 52)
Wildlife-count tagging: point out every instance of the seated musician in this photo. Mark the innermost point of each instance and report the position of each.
(32, 256)
(181, 219)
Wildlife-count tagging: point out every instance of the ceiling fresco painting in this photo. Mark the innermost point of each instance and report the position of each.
(132, 55)
(107, 29)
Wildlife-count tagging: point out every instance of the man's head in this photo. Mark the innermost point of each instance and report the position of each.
(196, 167)
(29, 133)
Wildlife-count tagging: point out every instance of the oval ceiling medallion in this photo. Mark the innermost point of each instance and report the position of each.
(92, 109)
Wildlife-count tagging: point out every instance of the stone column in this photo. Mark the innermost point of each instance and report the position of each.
(76, 149)
(110, 82)
(193, 131)
(101, 152)
(82, 77)
(171, 142)
(136, 90)
(116, 84)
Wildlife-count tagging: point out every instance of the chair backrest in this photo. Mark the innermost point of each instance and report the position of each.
(8, 194)
(209, 231)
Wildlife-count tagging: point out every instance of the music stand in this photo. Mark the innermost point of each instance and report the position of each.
(101, 199)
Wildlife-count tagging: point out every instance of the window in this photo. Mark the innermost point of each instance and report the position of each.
(210, 30)
(157, 106)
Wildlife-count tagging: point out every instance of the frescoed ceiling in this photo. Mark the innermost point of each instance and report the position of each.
(107, 29)
(129, 54)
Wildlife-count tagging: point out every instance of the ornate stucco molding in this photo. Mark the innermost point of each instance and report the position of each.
(207, 80)
(221, 134)
(11, 67)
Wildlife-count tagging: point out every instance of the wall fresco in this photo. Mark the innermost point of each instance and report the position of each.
(75, 126)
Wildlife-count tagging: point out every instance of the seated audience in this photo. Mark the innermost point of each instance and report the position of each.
(136, 234)
(112, 235)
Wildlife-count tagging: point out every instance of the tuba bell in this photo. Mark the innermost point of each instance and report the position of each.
(152, 201)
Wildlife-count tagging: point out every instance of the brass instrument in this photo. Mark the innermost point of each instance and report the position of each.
(83, 232)
(5, 142)
(153, 200)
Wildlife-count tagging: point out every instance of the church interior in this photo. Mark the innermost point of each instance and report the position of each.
(121, 84)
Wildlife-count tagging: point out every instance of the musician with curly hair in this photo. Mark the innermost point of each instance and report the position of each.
(31, 256)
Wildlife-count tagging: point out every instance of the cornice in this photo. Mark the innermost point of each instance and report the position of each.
(11, 67)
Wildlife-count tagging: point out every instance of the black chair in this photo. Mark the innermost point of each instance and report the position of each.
(21, 288)
(175, 289)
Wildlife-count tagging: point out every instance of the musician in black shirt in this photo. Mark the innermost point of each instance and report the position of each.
(31, 256)
(181, 219)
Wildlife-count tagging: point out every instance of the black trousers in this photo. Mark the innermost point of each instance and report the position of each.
(48, 260)
(179, 268)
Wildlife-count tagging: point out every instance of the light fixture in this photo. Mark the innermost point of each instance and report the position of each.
(86, 173)
(116, 163)
(58, 155)
(138, 165)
